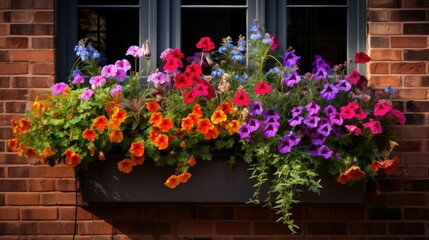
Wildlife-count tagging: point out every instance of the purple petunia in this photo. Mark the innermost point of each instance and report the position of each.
(290, 59)
(336, 119)
(296, 110)
(312, 108)
(86, 95)
(271, 120)
(244, 132)
(271, 113)
(343, 85)
(256, 108)
(329, 110)
(270, 130)
(296, 120)
(58, 88)
(311, 121)
(284, 146)
(253, 125)
(159, 78)
(293, 138)
(318, 140)
(292, 79)
(320, 73)
(329, 92)
(324, 151)
(324, 128)
(117, 89)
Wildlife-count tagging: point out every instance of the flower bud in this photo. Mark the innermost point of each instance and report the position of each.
(101, 156)
(146, 49)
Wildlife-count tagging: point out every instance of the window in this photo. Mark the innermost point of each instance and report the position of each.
(334, 29)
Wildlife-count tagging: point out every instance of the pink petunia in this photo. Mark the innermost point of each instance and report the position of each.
(200, 90)
(109, 71)
(135, 51)
(346, 112)
(86, 95)
(354, 129)
(117, 89)
(262, 88)
(382, 108)
(78, 79)
(241, 98)
(354, 77)
(97, 81)
(188, 97)
(58, 88)
(121, 75)
(374, 126)
(123, 64)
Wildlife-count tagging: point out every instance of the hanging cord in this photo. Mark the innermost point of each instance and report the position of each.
(76, 203)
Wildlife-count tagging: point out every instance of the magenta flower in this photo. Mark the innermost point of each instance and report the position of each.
(123, 64)
(117, 89)
(354, 129)
(97, 81)
(398, 115)
(78, 79)
(159, 78)
(200, 90)
(312, 108)
(336, 119)
(382, 108)
(135, 51)
(296, 110)
(324, 128)
(58, 88)
(374, 126)
(86, 95)
(109, 71)
(330, 110)
(285, 146)
(329, 92)
(354, 77)
(121, 75)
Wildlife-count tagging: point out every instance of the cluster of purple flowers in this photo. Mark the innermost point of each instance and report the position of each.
(86, 52)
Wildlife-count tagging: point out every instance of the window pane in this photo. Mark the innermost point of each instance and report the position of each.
(317, 2)
(213, 2)
(108, 2)
(206, 22)
(111, 31)
(315, 31)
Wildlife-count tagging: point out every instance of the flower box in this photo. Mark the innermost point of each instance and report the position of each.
(211, 182)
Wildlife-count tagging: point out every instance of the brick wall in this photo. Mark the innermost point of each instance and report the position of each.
(37, 202)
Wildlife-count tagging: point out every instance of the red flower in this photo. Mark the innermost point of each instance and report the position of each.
(173, 63)
(354, 77)
(206, 44)
(182, 81)
(188, 97)
(262, 88)
(241, 98)
(361, 57)
(211, 92)
(274, 43)
(382, 108)
(175, 53)
(195, 69)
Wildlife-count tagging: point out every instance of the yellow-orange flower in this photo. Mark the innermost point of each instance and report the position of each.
(137, 148)
(225, 107)
(46, 152)
(137, 160)
(112, 107)
(184, 177)
(66, 91)
(191, 161)
(125, 165)
(218, 117)
(194, 117)
(12, 144)
(21, 149)
(233, 126)
(100, 123)
(172, 182)
(89, 134)
(116, 136)
(24, 124)
(119, 115)
(187, 123)
(161, 141)
(155, 118)
(204, 125)
(197, 110)
(152, 106)
(165, 124)
(113, 124)
(211, 134)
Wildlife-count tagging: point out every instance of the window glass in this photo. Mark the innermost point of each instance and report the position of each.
(108, 2)
(111, 31)
(213, 2)
(215, 23)
(317, 2)
(317, 31)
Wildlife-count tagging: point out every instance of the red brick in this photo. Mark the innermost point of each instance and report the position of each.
(417, 172)
(39, 213)
(368, 228)
(47, 4)
(16, 42)
(385, 54)
(326, 228)
(13, 185)
(4, 82)
(14, 17)
(416, 132)
(31, 29)
(416, 55)
(416, 28)
(135, 213)
(415, 158)
(410, 146)
(379, 68)
(3, 30)
(385, 81)
(32, 82)
(44, 17)
(416, 214)
(194, 228)
(379, 16)
(42, 171)
(95, 228)
(42, 43)
(384, 3)
(65, 185)
(68, 213)
(23, 199)
(4, 4)
(38, 93)
(415, 3)
(408, 68)
(18, 228)
(216, 213)
(408, 228)
(408, 199)
(416, 81)
(408, 42)
(252, 213)
(43, 68)
(234, 228)
(379, 42)
(6, 133)
(385, 28)
(41, 185)
(51, 199)
(13, 68)
(8, 213)
(32, 55)
(408, 15)
(55, 228)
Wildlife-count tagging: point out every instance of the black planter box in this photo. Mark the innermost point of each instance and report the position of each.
(211, 182)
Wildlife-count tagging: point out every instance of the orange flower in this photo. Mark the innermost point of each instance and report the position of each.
(15, 127)
(225, 107)
(197, 110)
(155, 118)
(137, 148)
(218, 117)
(116, 136)
(153, 134)
(100, 123)
(184, 177)
(137, 160)
(152, 106)
(73, 160)
(191, 161)
(194, 117)
(66, 91)
(119, 115)
(212, 134)
(12, 144)
(161, 141)
(89, 134)
(389, 166)
(31, 153)
(24, 124)
(172, 182)
(112, 107)
(353, 173)
(187, 123)
(21, 149)
(125, 165)
(233, 126)
(204, 125)
(46, 152)
(113, 124)
(165, 124)
(69, 153)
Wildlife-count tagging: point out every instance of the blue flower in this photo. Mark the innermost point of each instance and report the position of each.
(389, 90)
